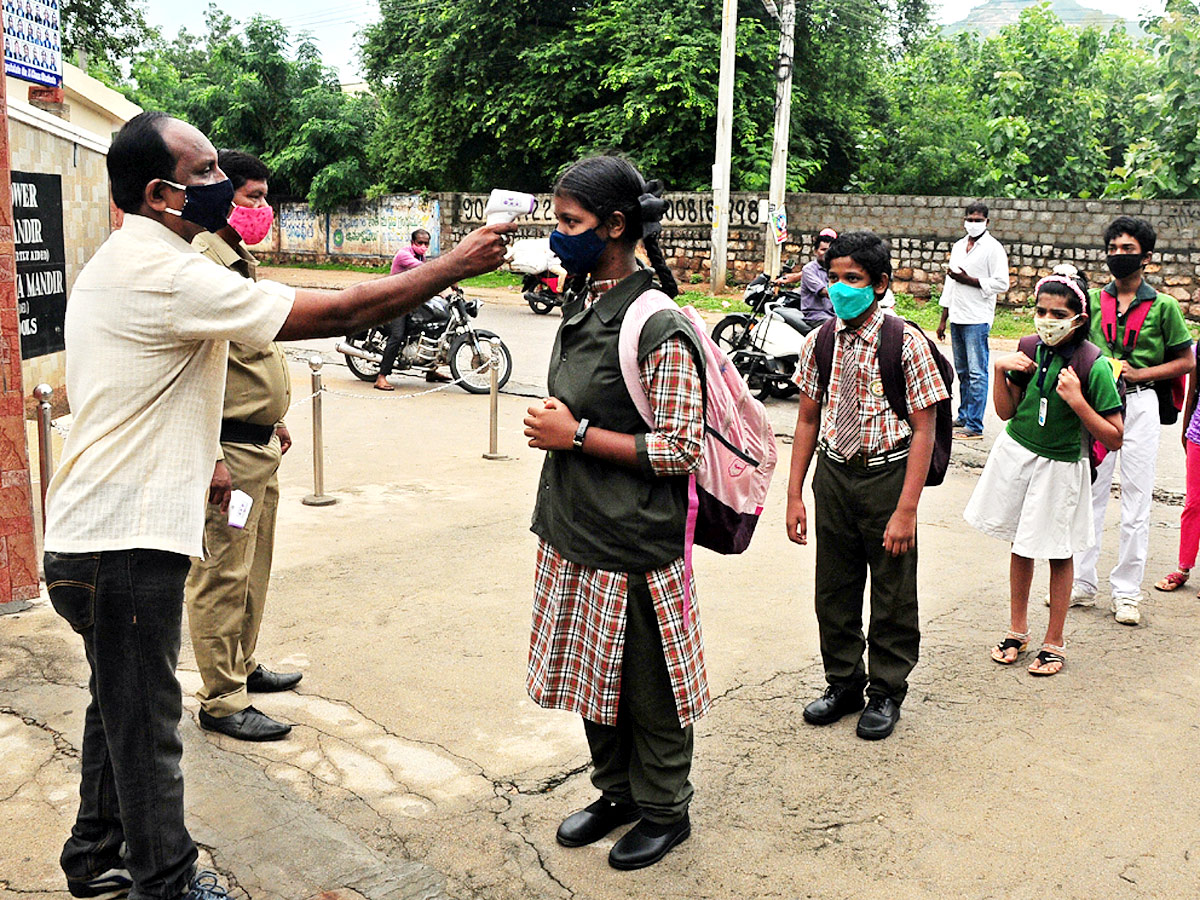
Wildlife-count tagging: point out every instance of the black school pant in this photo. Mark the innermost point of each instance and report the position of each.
(852, 510)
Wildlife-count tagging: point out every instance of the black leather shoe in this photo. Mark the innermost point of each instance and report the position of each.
(837, 700)
(247, 725)
(878, 719)
(263, 681)
(647, 842)
(595, 821)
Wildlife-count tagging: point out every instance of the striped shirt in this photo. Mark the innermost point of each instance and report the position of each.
(882, 430)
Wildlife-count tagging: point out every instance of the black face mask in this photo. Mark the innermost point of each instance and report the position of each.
(207, 205)
(1122, 265)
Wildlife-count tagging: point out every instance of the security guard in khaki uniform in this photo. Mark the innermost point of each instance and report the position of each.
(226, 591)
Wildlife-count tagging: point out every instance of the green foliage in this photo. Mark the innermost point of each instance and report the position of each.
(106, 31)
(1165, 162)
(249, 89)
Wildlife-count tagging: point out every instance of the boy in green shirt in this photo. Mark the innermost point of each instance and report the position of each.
(1159, 352)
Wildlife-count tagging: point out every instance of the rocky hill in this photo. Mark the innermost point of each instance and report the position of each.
(989, 17)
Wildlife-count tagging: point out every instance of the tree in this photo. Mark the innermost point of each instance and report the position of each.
(104, 31)
(247, 88)
(1164, 159)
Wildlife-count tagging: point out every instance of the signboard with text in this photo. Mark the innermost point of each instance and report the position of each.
(41, 262)
(33, 41)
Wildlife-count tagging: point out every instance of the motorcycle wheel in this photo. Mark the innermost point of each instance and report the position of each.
(538, 305)
(468, 353)
(732, 332)
(362, 368)
(783, 391)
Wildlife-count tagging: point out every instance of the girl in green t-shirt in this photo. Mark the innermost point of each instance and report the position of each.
(1035, 490)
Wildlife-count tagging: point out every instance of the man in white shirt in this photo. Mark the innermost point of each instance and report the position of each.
(147, 332)
(976, 273)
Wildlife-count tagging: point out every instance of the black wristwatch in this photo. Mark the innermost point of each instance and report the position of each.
(580, 432)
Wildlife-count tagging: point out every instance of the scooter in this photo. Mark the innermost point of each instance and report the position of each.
(765, 343)
(545, 278)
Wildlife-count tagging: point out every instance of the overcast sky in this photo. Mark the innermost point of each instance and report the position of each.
(333, 25)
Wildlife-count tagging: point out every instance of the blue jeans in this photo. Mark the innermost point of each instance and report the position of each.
(127, 606)
(970, 344)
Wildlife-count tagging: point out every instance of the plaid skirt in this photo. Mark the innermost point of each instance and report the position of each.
(578, 638)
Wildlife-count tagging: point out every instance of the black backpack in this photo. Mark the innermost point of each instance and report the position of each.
(1082, 360)
(891, 373)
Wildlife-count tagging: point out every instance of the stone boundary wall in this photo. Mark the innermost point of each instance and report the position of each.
(921, 230)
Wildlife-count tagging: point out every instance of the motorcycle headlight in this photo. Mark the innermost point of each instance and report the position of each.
(473, 307)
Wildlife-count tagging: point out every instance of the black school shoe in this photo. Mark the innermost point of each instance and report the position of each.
(837, 701)
(647, 842)
(107, 885)
(263, 681)
(247, 725)
(878, 719)
(594, 821)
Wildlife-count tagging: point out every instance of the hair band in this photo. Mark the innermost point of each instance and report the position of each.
(1062, 279)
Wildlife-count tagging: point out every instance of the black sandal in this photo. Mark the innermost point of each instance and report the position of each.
(1012, 641)
(1045, 657)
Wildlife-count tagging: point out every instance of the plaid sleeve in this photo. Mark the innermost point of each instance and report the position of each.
(672, 382)
(922, 379)
(806, 367)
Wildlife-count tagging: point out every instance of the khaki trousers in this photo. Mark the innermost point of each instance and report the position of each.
(226, 591)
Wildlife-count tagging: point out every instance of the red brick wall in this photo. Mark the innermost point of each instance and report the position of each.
(18, 553)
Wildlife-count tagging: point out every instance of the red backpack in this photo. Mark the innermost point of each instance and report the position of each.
(891, 373)
(1170, 393)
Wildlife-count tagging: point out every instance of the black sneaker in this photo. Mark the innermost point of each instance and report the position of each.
(105, 886)
(205, 886)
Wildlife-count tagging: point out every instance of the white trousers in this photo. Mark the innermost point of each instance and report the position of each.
(1138, 456)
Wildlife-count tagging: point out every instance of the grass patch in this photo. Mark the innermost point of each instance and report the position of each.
(494, 280)
(328, 267)
(1009, 323)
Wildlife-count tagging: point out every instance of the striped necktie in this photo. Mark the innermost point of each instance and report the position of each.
(847, 425)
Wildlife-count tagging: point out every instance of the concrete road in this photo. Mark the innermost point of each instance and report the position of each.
(418, 767)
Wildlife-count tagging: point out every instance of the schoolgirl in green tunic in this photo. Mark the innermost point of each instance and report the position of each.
(1035, 490)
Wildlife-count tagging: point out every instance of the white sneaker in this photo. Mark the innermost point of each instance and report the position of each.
(1126, 611)
(1080, 596)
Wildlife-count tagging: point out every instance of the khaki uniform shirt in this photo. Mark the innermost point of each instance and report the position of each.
(258, 388)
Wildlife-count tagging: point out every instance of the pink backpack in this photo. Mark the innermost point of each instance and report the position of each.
(726, 495)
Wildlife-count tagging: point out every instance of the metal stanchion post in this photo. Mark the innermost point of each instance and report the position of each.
(318, 497)
(494, 437)
(45, 446)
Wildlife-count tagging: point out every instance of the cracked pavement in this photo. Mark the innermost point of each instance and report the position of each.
(418, 768)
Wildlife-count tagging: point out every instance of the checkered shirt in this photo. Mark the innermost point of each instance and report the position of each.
(578, 634)
(882, 429)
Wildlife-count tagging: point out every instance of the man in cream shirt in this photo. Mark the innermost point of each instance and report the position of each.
(147, 332)
(976, 273)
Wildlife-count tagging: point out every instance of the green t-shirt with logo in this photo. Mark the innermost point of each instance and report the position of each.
(1061, 437)
(1164, 330)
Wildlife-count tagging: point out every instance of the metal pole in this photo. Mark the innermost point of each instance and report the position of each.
(494, 424)
(318, 497)
(720, 223)
(45, 443)
(777, 196)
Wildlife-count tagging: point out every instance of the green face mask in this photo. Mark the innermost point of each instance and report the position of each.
(850, 302)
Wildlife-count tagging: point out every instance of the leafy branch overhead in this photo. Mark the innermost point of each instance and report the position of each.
(465, 98)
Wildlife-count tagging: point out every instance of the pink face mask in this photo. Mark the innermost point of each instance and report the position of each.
(252, 223)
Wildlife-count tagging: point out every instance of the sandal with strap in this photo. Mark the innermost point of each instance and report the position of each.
(1048, 656)
(1013, 640)
(1175, 580)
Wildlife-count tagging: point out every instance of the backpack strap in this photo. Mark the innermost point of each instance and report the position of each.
(1108, 317)
(647, 304)
(1082, 360)
(1134, 320)
(823, 354)
(1028, 345)
(891, 364)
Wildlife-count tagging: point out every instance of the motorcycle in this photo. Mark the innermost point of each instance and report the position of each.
(764, 344)
(544, 277)
(439, 333)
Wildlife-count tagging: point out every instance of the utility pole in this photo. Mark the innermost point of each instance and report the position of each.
(777, 195)
(720, 223)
